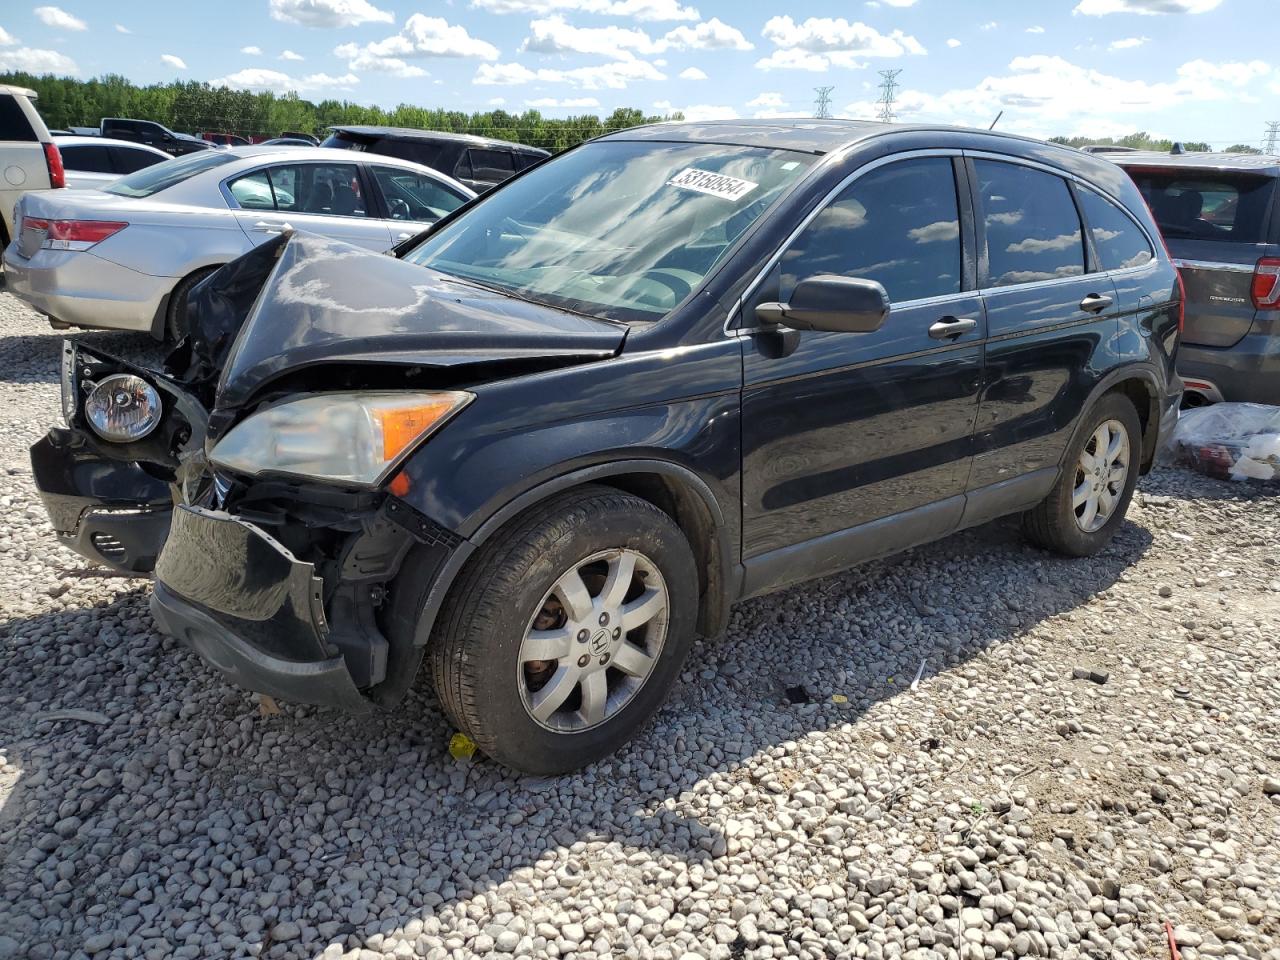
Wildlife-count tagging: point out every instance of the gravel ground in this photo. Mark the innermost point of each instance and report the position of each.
(1004, 807)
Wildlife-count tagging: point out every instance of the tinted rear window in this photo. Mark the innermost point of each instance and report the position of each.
(152, 180)
(90, 159)
(1190, 205)
(13, 122)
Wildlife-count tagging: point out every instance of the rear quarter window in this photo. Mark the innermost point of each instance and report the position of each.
(1118, 241)
(89, 159)
(14, 124)
(1189, 205)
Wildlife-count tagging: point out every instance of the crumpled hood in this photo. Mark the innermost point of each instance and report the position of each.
(330, 302)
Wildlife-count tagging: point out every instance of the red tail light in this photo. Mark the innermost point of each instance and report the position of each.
(53, 160)
(73, 234)
(1266, 284)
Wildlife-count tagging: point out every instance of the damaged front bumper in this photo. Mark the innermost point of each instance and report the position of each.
(248, 607)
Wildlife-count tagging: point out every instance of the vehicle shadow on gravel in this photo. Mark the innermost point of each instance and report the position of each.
(176, 811)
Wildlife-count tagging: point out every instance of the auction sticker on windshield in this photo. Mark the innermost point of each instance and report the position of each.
(715, 184)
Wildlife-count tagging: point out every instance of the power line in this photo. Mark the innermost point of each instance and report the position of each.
(888, 94)
(1272, 137)
(822, 103)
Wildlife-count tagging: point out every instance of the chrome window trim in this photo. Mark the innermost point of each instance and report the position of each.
(832, 159)
(1179, 262)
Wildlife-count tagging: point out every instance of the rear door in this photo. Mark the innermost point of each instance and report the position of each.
(329, 199)
(1215, 224)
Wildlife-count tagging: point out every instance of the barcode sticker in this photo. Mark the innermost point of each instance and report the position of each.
(715, 184)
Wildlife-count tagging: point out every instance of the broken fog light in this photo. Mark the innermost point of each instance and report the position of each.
(123, 408)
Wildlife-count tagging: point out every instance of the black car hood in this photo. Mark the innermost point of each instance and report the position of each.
(327, 302)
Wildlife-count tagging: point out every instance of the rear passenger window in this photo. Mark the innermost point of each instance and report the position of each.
(13, 122)
(1033, 230)
(127, 161)
(492, 165)
(1229, 207)
(1117, 239)
(898, 225)
(88, 159)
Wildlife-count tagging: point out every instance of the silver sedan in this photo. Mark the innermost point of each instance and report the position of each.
(125, 256)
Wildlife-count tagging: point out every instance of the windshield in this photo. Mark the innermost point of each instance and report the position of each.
(150, 180)
(622, 230)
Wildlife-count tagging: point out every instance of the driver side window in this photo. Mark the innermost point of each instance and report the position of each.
(898, 225)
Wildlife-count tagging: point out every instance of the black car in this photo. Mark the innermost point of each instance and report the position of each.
(549, 442)
(153, 135)
(479, 162)
(1220, 216)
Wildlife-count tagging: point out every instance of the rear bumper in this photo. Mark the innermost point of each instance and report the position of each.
(78, 288)
(250, 609)
(1247, 372)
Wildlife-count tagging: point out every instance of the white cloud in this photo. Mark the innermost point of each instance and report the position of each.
(606, 76)
(260, 78)
(7, 39)
(497, 101)
(953, 43)
(990, 25)
(358, 59)
(692, 73)
(1147, 8)
(767, 100)
(421, 36)
(1128, 43)
(822, 42)
(290, 55)
(329, 13)
(635, 9)
(701, 111)
(1043, 94)
(252, 51)
(556, 35)
(553, 103)
(121, 28)
(59, 19)
(1036, 29)
(170, 60)
(901, 3)
(33, 60)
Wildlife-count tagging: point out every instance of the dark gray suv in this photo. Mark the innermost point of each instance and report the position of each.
(1218, 214)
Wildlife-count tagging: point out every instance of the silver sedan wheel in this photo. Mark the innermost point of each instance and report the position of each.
(594, 641)
(1101, 473)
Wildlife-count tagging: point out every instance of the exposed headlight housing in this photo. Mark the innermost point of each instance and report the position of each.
(123, 408)
(356, 438)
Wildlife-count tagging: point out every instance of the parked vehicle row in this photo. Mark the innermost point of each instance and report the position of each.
(545, 445)
(125, 257)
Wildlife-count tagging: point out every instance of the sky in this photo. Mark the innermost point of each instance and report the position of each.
(1201, 70)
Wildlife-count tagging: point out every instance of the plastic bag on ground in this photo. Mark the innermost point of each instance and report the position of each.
(1231, 441)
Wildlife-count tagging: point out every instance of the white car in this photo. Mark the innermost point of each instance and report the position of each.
(90, 163)
(125, 257)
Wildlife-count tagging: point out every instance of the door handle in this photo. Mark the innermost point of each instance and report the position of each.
(269, 226)
(948, 328)
(403, 236)
(1096, 302)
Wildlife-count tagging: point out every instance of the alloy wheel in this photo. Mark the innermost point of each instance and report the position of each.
(1101, 473)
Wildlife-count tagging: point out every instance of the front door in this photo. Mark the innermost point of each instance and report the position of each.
(845, 428)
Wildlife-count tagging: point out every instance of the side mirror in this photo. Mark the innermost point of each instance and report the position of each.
(831, 303)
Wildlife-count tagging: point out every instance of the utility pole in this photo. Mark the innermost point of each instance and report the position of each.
(1272, 137)
(888, 94)
(822, 103)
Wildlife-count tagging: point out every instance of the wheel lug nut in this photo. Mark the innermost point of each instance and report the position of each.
(583, 660)
(604, 660)
(604, 619)
(582, 636)
(617, 632)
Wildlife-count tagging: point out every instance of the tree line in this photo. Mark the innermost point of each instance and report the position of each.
(1144, 141)
(194, 107)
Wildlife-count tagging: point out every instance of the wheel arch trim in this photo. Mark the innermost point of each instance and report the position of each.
(1141, 372)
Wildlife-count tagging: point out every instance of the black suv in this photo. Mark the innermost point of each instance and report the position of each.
(1220, 216)
(153, 135)
(549, 442)
(479, 162)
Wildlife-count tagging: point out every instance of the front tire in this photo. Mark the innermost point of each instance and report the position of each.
(566, 630)
(1088, 503)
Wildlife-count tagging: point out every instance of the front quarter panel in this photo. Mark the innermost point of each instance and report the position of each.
(679, 405)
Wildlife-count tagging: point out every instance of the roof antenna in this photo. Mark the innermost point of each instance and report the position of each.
(1178, 149)
(996, 120)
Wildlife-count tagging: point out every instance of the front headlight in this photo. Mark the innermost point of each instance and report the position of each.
(354, 438)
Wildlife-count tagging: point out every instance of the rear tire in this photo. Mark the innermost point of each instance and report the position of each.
(175, 322)
(1087, 505)
(545, 685)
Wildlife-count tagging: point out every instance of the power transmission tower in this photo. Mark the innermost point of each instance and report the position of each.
(1272, 138)
(822, 103)
(888, 94)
